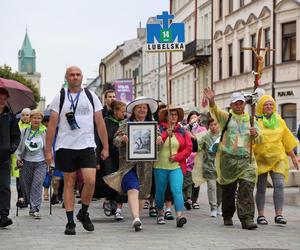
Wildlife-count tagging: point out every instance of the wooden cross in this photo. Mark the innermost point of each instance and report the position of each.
(257, 74)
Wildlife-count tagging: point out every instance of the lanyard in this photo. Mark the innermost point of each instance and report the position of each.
(29, 138)
(73, 102)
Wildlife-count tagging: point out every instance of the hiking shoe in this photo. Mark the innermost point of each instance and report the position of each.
(5, 221)
(70, 228)
(160, 220)
(119, 216)
(180, 221)
(249, 224)
(137, 224)
(228, 221)
(86, 221)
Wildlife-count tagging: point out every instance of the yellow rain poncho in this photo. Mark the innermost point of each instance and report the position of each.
(278, 140)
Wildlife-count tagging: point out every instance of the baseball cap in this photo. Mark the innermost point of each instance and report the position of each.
(237, 96)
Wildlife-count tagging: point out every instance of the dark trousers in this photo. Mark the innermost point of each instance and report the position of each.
(5, 193)
(240, 191)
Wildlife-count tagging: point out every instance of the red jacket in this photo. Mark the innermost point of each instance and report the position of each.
(185, 143)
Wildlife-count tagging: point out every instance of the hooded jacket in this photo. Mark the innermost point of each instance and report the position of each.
(9, 134)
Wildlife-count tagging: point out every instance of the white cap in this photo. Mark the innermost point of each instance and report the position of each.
(237, 96)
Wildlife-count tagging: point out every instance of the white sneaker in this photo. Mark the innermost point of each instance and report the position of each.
(118, 215)
(213, 213)
(219, 211)
(36, 215)
(137, 224)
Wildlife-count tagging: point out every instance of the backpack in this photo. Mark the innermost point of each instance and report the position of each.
(63, 95)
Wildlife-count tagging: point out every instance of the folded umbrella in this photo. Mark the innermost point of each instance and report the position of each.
(20, 96)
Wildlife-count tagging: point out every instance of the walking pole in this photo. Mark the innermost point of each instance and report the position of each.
(51, 168)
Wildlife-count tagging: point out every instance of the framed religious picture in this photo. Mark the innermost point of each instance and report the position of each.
(141, 144)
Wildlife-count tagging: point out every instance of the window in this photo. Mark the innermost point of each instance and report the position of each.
(267, 45)
(241, 42)
(230, 60)
(230, 6)
(253, 45)
(242, 3)
(220, 9)
(220, 63)
(288, 113)
(289, 41)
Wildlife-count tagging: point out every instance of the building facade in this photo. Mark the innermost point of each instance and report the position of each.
(235, 26)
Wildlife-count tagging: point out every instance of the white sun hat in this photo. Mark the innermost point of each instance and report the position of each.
(142, 100)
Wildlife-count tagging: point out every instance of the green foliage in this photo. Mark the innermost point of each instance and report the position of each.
(5, 72)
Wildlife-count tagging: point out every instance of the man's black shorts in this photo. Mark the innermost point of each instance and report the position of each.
(71, 160)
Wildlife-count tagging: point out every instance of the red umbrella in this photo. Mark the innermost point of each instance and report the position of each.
(20, 96)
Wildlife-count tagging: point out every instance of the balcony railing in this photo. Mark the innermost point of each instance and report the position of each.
(197, 51)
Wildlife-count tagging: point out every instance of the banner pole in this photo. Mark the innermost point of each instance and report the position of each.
(168, 100)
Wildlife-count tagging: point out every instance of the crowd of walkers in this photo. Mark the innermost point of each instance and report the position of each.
(78, 144)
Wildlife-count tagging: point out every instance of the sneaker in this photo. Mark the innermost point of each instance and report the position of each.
(119, 216)
(70, 228)
(180, 221)
(228, 221)
(146, 204)
(213, 213)
(160, 220)
(169, 215)
(137, 224)
(5, 221)
(219, 211)
(86, 221)
(31, 213)
(36, 215)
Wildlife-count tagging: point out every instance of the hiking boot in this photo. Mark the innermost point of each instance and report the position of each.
(228, 221)
(5, 221)
(70, 228)
(248, 224)
(86, 221)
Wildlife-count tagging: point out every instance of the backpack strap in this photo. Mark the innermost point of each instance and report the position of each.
(62, 99)
(90, 97)
(225, 127)
(63, 94)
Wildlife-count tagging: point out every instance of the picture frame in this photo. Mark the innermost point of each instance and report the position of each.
(141, 144)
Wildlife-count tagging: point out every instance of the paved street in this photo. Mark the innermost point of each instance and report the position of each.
(201, 232)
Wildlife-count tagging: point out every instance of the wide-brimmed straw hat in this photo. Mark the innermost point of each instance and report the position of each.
(163, 113)
(142, 100)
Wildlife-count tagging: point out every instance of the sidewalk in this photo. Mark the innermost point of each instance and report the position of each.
(201, 232)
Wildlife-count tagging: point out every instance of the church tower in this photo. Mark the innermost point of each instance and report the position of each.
(27, 66)
(27, 57)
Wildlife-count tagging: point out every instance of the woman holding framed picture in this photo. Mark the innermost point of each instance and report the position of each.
(134, 176)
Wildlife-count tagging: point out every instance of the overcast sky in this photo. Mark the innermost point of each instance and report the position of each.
(70, 32)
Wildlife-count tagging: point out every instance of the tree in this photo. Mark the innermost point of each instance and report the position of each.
(6, 72)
